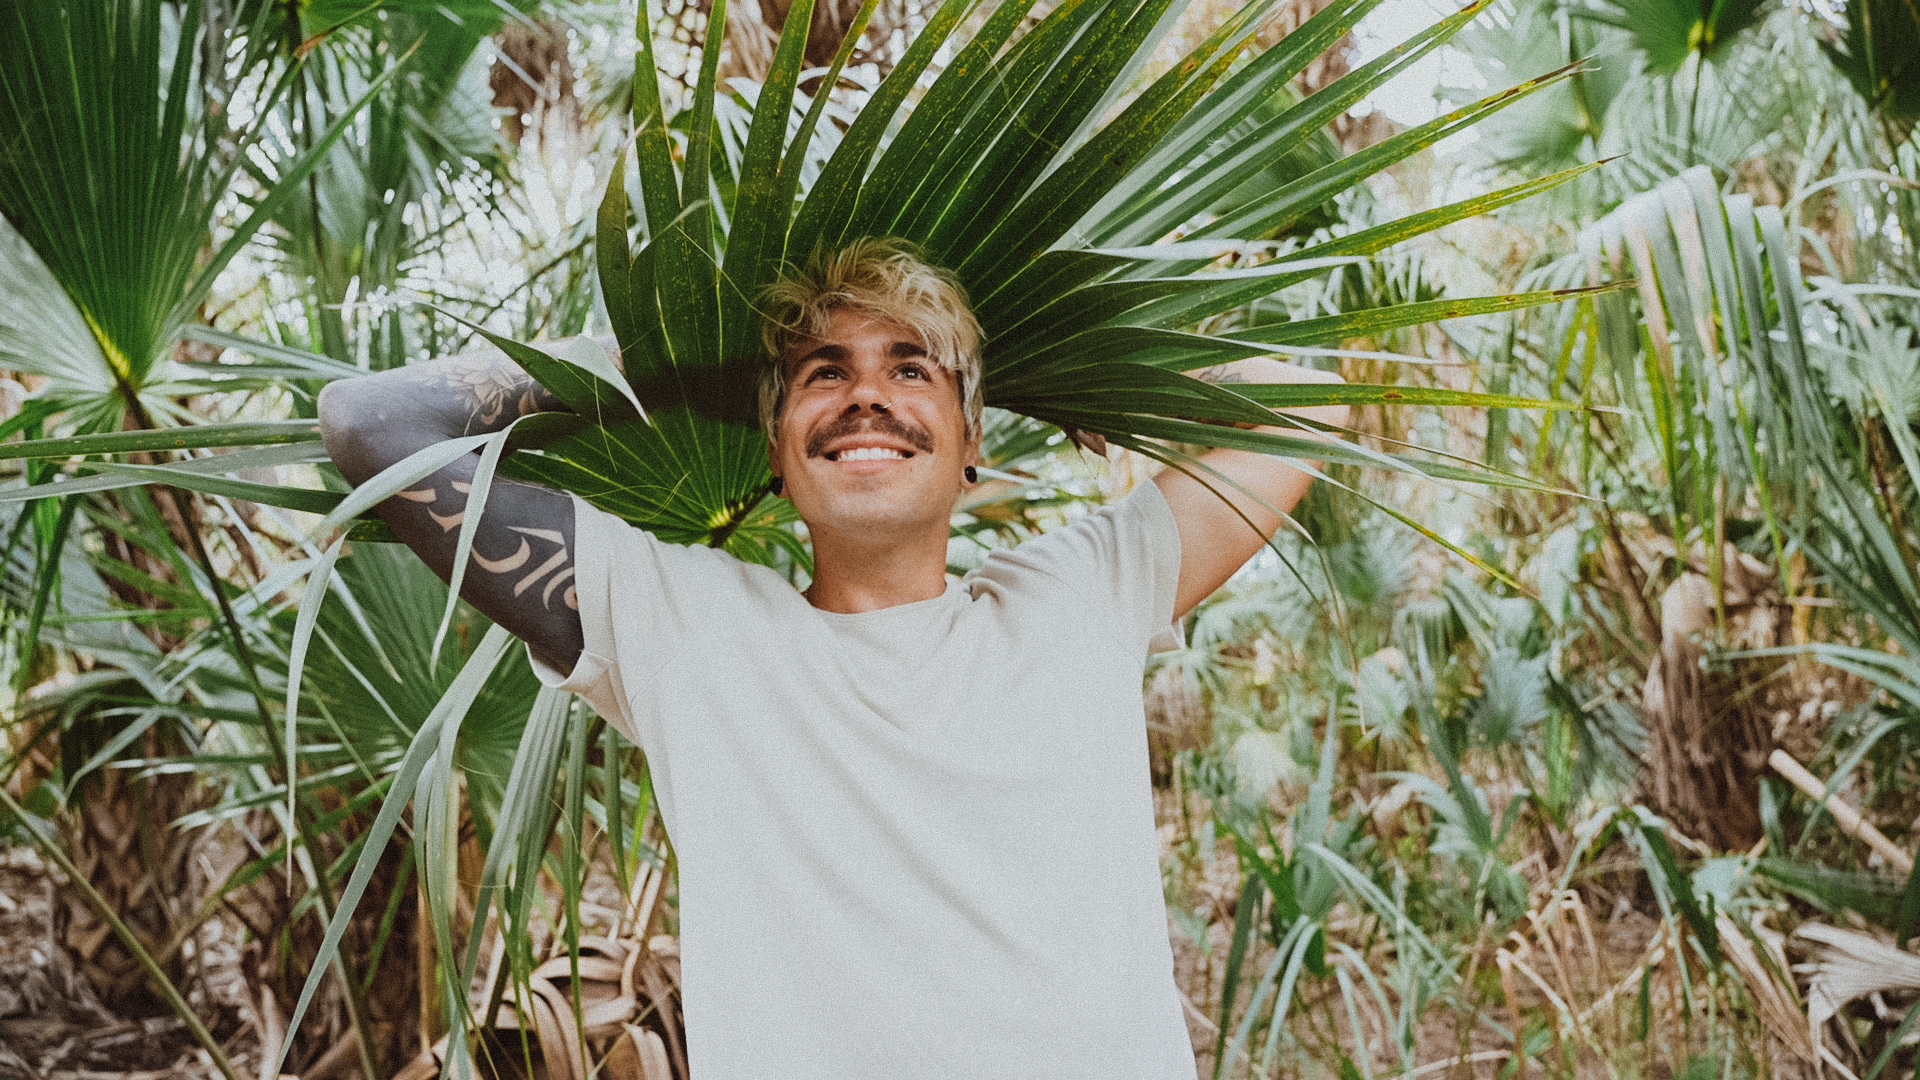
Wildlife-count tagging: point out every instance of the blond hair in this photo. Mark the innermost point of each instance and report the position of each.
(884, 276)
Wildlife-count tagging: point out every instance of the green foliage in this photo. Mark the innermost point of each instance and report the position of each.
(1880, 57)
(975, 175)
(1078, 336)
(1117, 231)
(115, 169)
(1667, 32)
(1563, 125)
(363, 218)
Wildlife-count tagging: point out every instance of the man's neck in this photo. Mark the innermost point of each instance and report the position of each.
(852, 575)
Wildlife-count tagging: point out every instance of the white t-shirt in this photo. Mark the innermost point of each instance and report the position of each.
(916, 842)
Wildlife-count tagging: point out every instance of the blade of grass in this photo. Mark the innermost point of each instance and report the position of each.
(458, 698)
(1250, 894)
(303, 625)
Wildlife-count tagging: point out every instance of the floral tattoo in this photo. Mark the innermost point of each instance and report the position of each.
(497, 387)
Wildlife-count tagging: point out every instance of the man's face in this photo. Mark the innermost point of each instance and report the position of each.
(872, 436)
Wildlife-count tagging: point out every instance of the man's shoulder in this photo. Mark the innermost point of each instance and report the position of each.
(1084, 545)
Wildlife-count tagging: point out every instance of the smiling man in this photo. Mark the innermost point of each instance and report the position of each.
(912, 813)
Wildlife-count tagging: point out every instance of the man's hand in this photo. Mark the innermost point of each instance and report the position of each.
(523, 551)
(1215, 540)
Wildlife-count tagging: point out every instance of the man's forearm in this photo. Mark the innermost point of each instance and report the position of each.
(522, 559)
(1240, 486)
(371, 422)
(1263, 370)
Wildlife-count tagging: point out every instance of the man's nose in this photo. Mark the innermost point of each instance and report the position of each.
(869, 392)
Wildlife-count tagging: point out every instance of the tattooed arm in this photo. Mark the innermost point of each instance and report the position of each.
(1214, 540)
(521, 574)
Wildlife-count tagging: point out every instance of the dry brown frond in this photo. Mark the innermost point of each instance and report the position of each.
(1773, 996)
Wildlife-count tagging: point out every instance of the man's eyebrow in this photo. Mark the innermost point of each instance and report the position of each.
(824, 351)
(902, 349)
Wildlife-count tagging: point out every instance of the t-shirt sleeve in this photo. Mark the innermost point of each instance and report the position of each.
(634, 592)
(1123, 561)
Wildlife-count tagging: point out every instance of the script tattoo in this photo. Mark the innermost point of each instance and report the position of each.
(555, 564)
(523, 546)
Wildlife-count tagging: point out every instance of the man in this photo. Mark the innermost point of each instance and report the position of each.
(912, 815)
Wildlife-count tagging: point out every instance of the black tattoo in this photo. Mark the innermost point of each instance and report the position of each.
(1220, 375)
(521, 573)
(560, 557)
(495, 389)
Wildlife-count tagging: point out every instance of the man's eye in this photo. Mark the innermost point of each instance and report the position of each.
(914, 370)
(823, 373)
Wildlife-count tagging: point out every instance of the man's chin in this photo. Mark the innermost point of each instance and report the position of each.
(882, 508)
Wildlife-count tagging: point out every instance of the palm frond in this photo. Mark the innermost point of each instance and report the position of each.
(1002, 173)
(115, 169)
(1013, 169)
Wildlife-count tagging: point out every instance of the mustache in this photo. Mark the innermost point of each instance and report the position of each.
(881, 424)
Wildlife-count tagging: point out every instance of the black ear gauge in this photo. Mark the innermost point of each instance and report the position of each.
(776, 484)
(972, 474)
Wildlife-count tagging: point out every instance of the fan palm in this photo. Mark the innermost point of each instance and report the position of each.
(1053, 221)
(1093, 227)
(127, 124)
(1562, 126)
(116, 169)
(995, 175)
(1880, 56)
(357, 222)
(118, 165)
(1670, 32)
(1802, 400)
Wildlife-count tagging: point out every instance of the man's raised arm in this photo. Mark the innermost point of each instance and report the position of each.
(1214, 539)
(521, 574)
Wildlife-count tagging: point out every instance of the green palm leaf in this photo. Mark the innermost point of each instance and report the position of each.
(114, 171)
(1721, 293)
(1004, 173)
(1008, 171)
(358, 217)
(1666, 32)
(1880, 56)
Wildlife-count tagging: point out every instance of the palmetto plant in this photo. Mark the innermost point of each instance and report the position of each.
(1790, 402)
(1880, 56)
(1054, 222)
(1002, 173)
(1095, 218)
(359, 220)
(1669, 32)
(1619, 106)
(117, 163)
(127, 125)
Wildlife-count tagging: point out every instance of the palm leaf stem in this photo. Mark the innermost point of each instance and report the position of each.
(249, 433)
(243, 655)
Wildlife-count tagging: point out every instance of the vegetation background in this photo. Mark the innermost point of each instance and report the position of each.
(1571, 735)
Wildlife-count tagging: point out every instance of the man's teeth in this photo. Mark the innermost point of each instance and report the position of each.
(867, 453)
